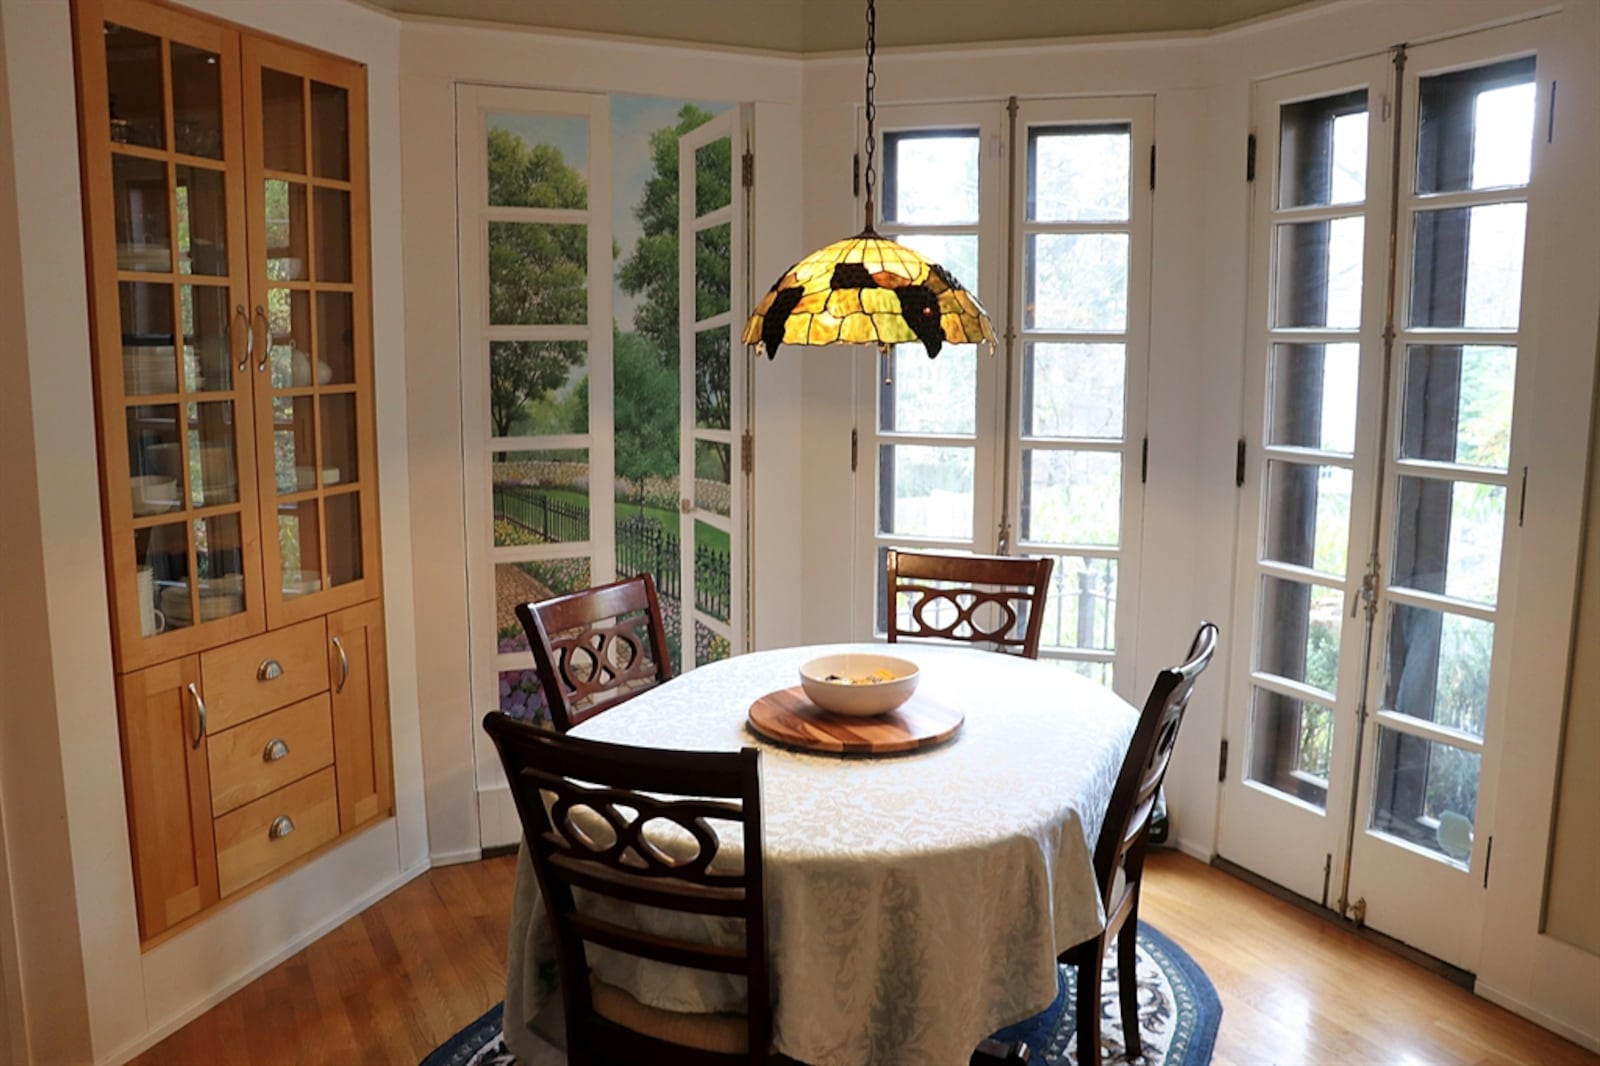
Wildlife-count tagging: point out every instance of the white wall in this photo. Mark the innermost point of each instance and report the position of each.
(435, 57)
(88, 993)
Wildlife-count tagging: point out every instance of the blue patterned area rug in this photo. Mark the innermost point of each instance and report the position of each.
(1178, 1017)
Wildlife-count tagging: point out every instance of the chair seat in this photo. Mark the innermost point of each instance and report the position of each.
(724, 1033)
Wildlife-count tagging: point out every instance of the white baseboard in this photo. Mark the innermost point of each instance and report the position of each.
(1538, 1017)
(498, 824)
(1195, 852)
(153, 1037)
(455, 858)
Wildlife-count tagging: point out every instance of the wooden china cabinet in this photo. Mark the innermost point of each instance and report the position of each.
(226, 221)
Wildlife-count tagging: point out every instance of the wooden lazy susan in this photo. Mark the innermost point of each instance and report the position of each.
(787, 717)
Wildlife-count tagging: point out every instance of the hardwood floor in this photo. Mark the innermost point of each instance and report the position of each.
(387, 986)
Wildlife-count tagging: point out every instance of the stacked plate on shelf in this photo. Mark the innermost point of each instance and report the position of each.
(219, 597)
(148, 370)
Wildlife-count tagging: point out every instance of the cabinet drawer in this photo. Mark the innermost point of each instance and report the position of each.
(252, 841)
(266, 753)
(241, 682)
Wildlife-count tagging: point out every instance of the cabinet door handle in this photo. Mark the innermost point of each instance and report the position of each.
(276, 749)
(269, 670)
(281, 827)
(249, 338)
(199, 716)
(344, 664)
(261, 317)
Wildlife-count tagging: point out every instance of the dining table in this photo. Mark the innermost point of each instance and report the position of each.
(916, 902)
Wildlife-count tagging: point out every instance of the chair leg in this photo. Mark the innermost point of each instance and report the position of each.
(1090, 960)
(1128, 982)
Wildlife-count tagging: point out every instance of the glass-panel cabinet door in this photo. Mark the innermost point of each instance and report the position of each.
(311, 325)
(169, 287)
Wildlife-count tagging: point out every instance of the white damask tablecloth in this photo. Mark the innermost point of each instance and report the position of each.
(916, 903)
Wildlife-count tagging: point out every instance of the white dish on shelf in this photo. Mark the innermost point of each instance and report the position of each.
(154, 493)
(303, 586)
(330, 475)
(149, 369)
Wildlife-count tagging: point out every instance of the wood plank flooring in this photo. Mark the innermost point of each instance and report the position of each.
(391, 983)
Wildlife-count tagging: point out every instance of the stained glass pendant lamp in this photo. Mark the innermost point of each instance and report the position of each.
(868, 289)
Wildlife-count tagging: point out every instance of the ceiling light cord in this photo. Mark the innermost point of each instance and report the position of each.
(872, 116)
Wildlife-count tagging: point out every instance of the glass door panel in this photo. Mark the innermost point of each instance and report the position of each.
(144, 220)
(174, 405)
(1375, 704)
(330, 131)
(213, 468)
(314, 397)
(286, 244)
(1079, 390)
(283, 121)
(134, 81)
(196, 101)
(923, 443)
(1312, 389)
(711, 484)
(1449, 475)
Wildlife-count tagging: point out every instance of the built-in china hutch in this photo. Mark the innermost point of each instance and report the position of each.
(226, 218)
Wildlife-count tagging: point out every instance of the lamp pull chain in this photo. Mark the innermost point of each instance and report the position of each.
(872, 115)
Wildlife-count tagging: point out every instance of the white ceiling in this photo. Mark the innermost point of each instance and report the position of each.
(813, 26)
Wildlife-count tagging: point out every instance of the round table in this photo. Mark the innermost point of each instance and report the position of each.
(916, 902)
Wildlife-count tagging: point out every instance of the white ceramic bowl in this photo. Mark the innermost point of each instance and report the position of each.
(858, 683)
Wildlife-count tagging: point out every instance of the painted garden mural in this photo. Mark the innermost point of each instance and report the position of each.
(539, 275)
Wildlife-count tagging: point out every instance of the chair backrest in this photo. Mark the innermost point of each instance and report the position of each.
(585, 807)
(997, 600)
(596, 648)
(1128, 815)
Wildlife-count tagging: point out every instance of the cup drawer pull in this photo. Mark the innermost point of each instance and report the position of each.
(276, 749)
(269, 670)
(281, 827)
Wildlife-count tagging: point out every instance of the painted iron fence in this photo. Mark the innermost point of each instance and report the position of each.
(643, 545)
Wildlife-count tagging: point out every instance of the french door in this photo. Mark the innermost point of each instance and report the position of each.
(712, 371)
(1043, 209)
(1379, 525)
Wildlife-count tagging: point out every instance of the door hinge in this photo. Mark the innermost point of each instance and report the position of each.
(1222, 761)
(1152, 166)
(1238, 465)
(855, 175)
(1250, 158)
(748, 165)
(855, 441)
(747, 453)
(1144, 461)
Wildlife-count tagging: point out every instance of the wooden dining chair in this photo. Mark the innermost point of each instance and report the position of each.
(584, 806)
(596, 648)
(1119, 854)
(993, 600)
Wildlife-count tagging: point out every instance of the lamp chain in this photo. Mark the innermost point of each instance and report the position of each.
(872, 115)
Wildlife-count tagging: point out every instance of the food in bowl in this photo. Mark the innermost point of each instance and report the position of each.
(858, 683)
